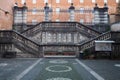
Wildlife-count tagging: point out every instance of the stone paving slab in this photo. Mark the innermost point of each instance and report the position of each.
(58, 69)
(10, 68)
(46, 69)
(105, 68)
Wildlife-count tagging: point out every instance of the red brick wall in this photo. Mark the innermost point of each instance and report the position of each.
(6, 20)
(65, 5)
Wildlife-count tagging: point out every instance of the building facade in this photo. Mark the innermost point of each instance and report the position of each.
(60, 9)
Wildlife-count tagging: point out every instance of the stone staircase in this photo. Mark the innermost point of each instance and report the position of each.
(91, 43)
(26, 45)
(17, 40)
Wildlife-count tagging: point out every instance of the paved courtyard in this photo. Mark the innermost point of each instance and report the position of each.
(59, 69)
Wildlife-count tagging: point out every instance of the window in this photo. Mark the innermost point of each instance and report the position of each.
(105, 1)
(87, 19)
(45, 1)
(57, 1)
(81, 10)
(93, 1)
(23, 1)
(117, 1)
(81, 20)
(57, 10)
(69, 1)
(34, 1)
(57, 20)
(34, 11)
(34, 22)
(68, 20)
(81, 1)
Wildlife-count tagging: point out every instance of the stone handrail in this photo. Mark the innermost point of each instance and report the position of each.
(91, 43)
(74, 25)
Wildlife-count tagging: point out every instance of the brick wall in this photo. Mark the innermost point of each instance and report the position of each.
(87, 4)
(6, 19)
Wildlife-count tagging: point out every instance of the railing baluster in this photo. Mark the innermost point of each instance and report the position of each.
(26, 42)
(32, 31)
(90, 43)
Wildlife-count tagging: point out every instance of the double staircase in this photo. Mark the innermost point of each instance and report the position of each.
(23, 42)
